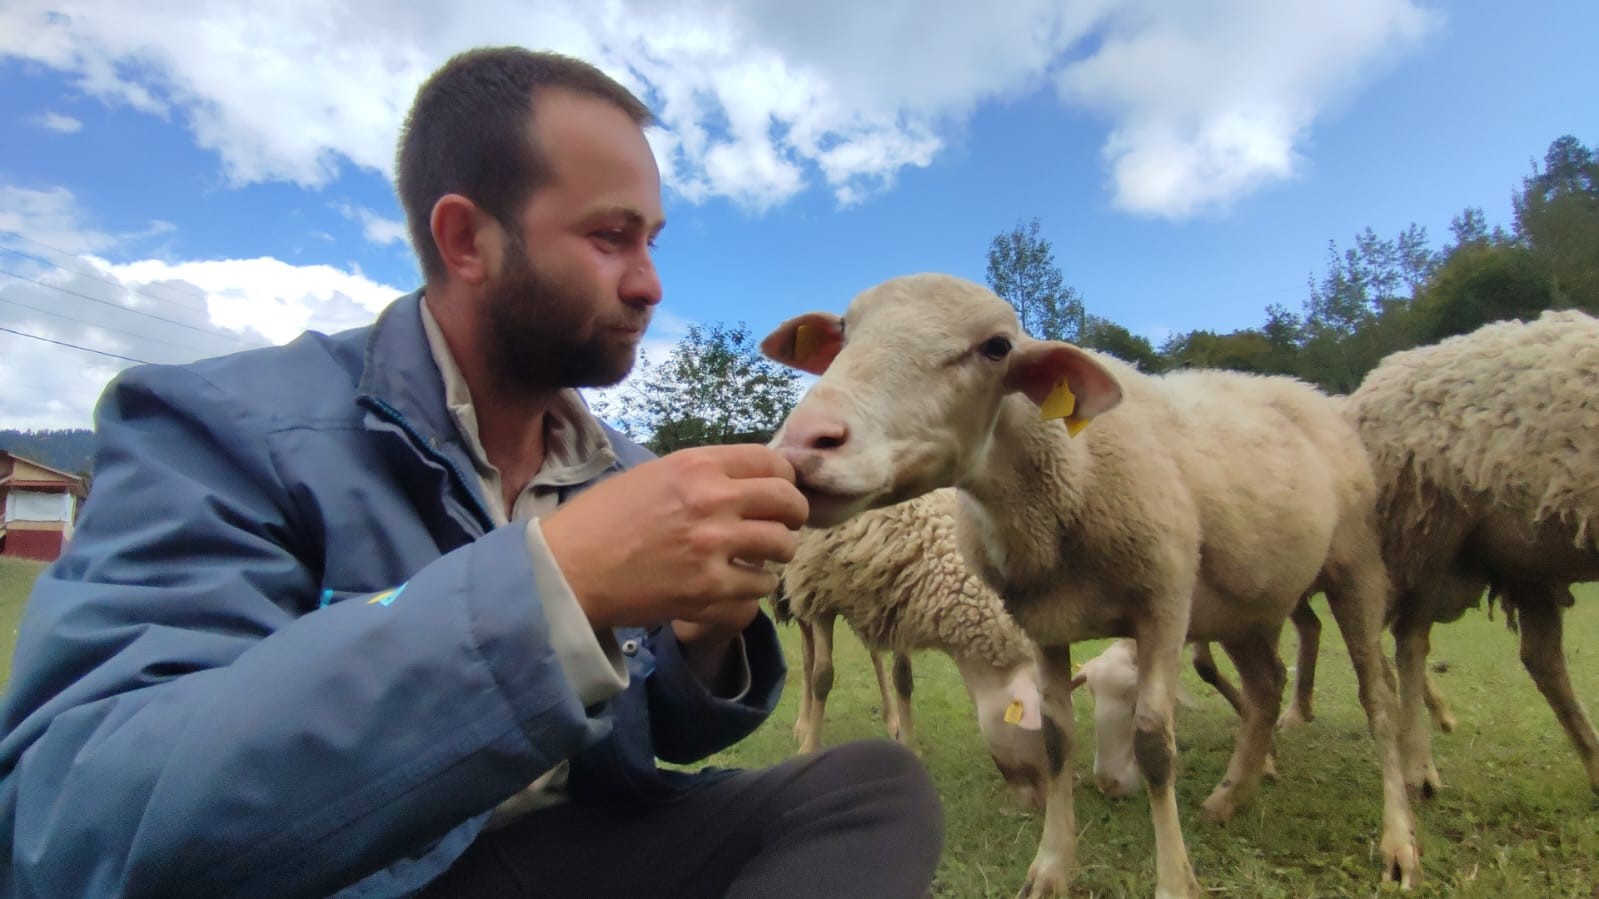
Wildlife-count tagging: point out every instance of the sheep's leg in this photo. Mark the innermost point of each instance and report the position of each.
(1057, 847)
(1205, 667)
(1412, 642)
(1438, 705)
(1261, 672)
(890, 709)
(1357, 602)
(1308, 629)
(1545, 659)
(821, 680)
(903, 683)
(802, 721)
(1160, 648)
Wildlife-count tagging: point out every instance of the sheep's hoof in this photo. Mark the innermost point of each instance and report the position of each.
(1445, 721)
(1402, 862)
(1429, 784)
(1219, 806)
(1293, 717)
(1045, 877)
(1269, 769)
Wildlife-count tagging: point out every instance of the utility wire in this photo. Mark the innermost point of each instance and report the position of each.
(73, 345)
(105, 327)
(171, 321)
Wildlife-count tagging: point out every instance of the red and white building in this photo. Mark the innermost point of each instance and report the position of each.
(38, 505)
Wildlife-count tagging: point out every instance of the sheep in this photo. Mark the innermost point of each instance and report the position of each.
(1112, 679)
(1203, 506)
(1486, 453)
(896, 576)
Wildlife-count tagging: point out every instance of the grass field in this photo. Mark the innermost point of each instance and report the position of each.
(1517, 818)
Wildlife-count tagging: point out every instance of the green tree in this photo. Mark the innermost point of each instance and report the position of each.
(1245, 350)
(714, 388)
(1557, 217)
(1108, 337)
(1022, 270)
(1480, 283)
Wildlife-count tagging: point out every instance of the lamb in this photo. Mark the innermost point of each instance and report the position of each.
(896, 576)
(1203, 506)
(1112, 679)
(1486, 453)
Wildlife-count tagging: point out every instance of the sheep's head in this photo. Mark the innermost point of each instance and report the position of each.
(1112, 678)
(911, 382)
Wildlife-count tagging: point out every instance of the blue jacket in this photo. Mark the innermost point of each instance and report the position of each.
(212, 694)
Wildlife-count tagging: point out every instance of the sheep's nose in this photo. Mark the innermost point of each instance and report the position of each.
(1114, 787)
(814, 431)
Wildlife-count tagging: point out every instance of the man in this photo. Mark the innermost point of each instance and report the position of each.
(389, 611)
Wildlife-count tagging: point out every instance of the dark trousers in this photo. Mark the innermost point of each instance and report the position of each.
(860, 819)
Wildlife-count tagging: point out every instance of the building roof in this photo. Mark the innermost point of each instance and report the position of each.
(74, 482)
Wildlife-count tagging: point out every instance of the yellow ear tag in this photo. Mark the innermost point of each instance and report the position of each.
(806, 342)
(1013, 712)
(1060, 403)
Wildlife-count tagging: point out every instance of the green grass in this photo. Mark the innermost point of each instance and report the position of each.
(16, 578)
(1517, 818)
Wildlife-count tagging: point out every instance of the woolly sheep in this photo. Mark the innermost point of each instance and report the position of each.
(896, 577)
(1486, 453)
(1205, 505)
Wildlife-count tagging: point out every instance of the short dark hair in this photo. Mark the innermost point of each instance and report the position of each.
(467, 133)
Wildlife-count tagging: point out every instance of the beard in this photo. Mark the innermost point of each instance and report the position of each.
(542, 334)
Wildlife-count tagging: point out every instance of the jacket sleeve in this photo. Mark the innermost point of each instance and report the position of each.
(687, 722)
(182, 720)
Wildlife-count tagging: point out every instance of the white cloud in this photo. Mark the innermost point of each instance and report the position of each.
(55, 121)
(375, 228)
(50, 218)
(1205, 100)
(86, 318)
(1210, 103)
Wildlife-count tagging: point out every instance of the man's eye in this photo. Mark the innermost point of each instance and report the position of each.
(995, 348)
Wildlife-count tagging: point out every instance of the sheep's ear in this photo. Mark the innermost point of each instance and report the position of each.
(1063, 381)
(808, 343)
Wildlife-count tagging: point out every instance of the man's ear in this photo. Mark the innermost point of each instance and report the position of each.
(809, 342)
(466, 237)
(1037, 368)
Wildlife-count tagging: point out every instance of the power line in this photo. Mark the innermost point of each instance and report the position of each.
(171, 321)
(105, 327)
(73, 345)
(195, 294)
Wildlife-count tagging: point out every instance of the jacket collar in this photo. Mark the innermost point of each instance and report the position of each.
(401, 388)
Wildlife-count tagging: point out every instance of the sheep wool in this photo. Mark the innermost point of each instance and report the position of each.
(1505, 416)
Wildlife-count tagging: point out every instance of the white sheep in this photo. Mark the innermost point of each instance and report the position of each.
(1205, 505)
(896, 577)
(1486, 453)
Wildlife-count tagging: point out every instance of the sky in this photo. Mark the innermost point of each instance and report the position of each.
(182, 179)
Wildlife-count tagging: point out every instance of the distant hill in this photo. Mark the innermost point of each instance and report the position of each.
(70, 450)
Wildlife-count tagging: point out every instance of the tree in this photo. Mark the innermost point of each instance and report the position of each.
(1022, 270)
(1557, 217)
(1482, 283)
(714, 388)
(1108, 337)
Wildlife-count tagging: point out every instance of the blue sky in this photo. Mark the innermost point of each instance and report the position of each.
(178, 182)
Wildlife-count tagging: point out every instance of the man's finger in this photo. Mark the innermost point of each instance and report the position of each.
(753, 543)
(770, 499)
(750, 460)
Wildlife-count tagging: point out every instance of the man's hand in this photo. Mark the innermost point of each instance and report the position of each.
(683, 537)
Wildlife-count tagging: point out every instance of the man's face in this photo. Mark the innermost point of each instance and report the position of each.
(576, 287)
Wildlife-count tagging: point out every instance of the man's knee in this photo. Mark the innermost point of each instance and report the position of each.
(891, 774)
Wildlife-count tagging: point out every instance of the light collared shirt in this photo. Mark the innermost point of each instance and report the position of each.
(575, 450)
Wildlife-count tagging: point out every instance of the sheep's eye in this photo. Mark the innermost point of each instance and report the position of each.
(995, 348)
